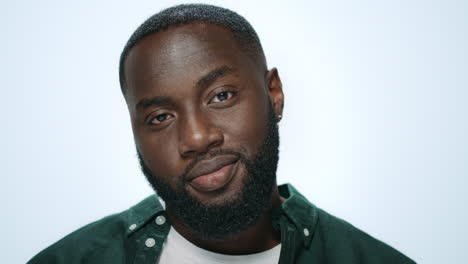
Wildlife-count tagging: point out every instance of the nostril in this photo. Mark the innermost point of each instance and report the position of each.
(217, 139)
(199, 141)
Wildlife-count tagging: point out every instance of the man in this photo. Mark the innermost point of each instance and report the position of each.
(204, 110)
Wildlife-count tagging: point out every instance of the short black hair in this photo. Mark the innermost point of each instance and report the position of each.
(242, 31)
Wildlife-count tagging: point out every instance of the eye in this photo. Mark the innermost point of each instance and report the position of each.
(222, 96)
(160, 119)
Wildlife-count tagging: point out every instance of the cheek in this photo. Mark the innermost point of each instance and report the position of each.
(244, 125)
(159, 153)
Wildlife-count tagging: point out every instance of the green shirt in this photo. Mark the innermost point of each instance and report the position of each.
(308, 235)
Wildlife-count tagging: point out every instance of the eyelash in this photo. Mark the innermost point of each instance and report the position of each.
(230, 94)
(228, 97)
(150, 121)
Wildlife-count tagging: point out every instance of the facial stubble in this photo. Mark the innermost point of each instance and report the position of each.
(234, 214)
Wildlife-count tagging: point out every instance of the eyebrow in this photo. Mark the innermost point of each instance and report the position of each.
(210, 77)
(204, 81)
(155, 101)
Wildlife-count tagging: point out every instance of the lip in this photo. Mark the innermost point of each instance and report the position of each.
(212, 174)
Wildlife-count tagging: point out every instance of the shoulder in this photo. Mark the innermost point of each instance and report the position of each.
(341, 238)
(330, 239)
(102, 239)
(84, 242)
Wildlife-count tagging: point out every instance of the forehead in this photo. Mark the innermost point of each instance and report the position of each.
(182, 54)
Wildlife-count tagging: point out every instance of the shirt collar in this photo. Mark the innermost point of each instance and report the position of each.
(296, 208)
(143, 212)
(299, 211)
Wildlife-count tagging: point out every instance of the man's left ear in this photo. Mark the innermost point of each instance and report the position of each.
(275, 92)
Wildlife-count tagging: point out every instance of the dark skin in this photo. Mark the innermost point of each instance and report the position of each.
(192, 89)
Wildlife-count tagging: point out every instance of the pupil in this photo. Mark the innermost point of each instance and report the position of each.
(222, 96)
(161, 118)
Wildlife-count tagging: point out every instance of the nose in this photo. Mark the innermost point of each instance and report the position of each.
(198, 135)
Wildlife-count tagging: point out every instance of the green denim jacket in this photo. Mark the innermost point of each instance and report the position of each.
(308, 235)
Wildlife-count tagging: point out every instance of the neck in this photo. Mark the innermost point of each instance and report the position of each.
(260, 237)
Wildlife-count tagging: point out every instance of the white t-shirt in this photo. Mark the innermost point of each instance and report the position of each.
(177, 249)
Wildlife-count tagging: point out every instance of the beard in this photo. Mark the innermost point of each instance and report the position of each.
(234, 214)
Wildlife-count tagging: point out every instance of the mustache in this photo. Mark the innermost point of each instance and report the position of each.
(211, 154)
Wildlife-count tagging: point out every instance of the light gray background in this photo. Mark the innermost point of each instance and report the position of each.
(374, 128)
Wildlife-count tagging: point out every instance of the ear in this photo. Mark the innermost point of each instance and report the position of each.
(275, 92)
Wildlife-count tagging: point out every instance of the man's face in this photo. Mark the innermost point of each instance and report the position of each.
(203, 118)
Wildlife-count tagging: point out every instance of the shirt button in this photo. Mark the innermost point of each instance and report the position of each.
(160, 220)
(132, 227)
(306, 232)
(150, 242)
